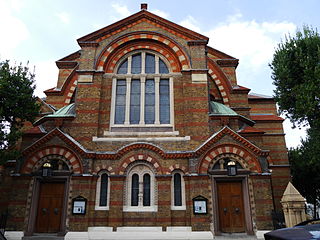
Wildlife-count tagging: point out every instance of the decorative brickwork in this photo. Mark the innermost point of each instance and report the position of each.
(159, 43)
(35, 161)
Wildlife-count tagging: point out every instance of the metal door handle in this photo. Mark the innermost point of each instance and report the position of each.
(225, 210)
(56, 211)
(237, 210)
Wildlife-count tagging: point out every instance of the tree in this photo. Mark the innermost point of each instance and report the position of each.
(296, 74)
(305, 168)
(17, 105)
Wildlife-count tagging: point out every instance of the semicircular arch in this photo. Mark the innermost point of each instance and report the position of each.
(71, 159)
(245, 158)
(165, 46)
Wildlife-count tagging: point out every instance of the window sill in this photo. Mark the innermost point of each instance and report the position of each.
(137, 139)
(98, 208)
(140, 209)
(178, 208)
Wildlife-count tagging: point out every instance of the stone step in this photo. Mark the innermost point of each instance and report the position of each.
(43, 237)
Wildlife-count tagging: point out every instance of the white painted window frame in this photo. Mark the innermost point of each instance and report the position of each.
(98, 189)
(143, 76)
(183, 191)
(140, 169)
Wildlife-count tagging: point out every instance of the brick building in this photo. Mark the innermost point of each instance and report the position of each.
(143, 129)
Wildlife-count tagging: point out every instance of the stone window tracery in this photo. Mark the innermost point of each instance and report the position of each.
(140, 189)
(142, 94)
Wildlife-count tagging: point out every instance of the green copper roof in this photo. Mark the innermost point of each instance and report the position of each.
(66, 111)
(220, 109)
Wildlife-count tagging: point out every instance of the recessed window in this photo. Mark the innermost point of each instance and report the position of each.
(178, 200)
(102, 192)
(140, 188)
(142, 92)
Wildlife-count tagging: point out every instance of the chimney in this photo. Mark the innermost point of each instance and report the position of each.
(144, 6)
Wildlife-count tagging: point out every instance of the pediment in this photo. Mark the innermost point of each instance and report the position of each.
(54, 136)
(141, 16)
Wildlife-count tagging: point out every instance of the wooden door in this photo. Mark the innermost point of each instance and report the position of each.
(230, 205)
(50, 207)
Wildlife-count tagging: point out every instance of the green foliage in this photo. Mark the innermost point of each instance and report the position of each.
(17, 105)
(296, 74)
(305, 167)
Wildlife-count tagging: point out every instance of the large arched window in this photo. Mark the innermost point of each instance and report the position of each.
(178, 199)
(140, 189)
(103, 192)
(142, 93)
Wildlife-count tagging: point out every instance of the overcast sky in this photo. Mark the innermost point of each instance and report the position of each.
(44, 31)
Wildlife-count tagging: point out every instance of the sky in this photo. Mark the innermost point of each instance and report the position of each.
(42, 32)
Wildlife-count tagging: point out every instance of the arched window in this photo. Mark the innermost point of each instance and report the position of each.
(142, 93)
(102, 192)
(178, 200)
(140, 188)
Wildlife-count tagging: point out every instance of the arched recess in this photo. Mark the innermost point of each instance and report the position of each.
(245, 158)
(72, 160)
(140, 157)
(220, 80)
(143, 40)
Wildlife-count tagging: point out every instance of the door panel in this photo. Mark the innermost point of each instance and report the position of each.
(50, 207)
(230, 205)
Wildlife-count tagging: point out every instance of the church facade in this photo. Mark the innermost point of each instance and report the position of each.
(148, 127)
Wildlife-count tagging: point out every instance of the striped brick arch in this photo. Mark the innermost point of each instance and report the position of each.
(177, 167)
(35, 160)
(163, 45)
(104, 167)
(247, 160)
(221, 81)
(139, 157)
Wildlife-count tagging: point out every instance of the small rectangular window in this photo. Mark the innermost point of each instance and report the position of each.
(136, 64)
(150, 63)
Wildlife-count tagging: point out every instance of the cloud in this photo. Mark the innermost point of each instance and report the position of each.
(63, 17)
(190, 23)
(250, 41)
(13, 30)
(46, 76)
(122, 10)
(160, 13)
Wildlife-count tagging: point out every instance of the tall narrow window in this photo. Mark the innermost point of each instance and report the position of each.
(178, 198)
(103, 190)
(149, 102)
(177, 189)
(135, 190)
(164, 101)
(120, 102)
(146, 189)
(135, 102)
